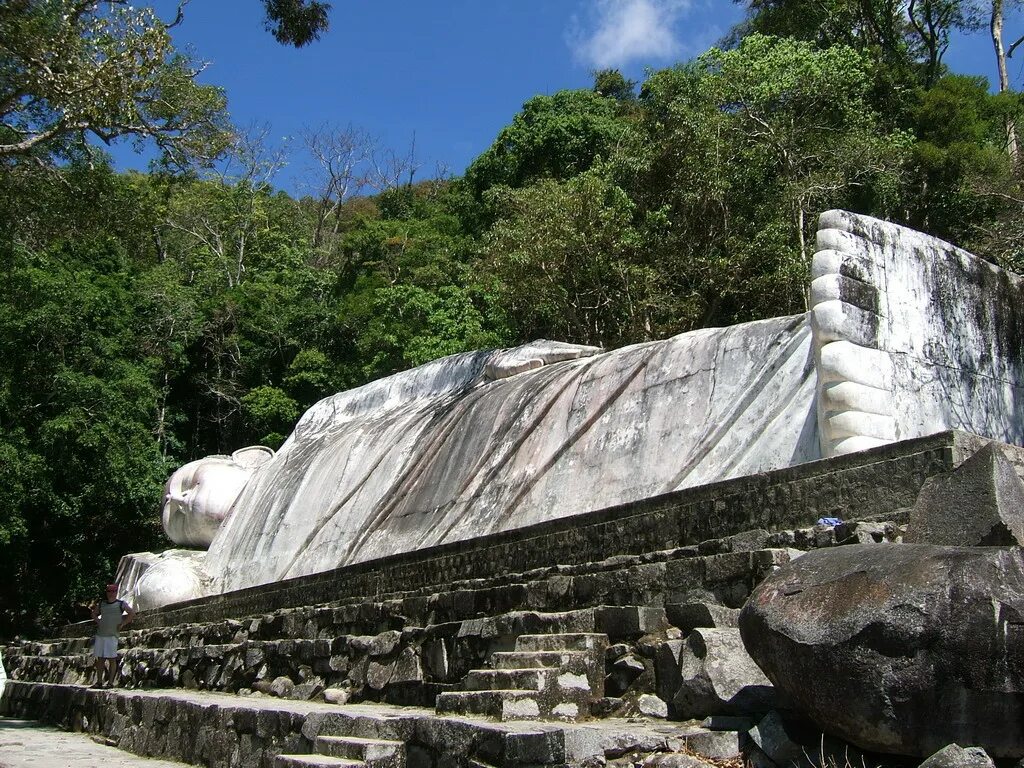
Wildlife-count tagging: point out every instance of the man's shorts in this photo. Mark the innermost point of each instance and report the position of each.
(104, 647)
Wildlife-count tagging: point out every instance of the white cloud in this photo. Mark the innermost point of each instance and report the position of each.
(622, 31)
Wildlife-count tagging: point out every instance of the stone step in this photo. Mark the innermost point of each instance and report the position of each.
(372, 727)
(575, 669)
(501, 705)
(315, 761)
(534, 659)
(535, 679)
(506, 705)
(579, 641)
(377, 753)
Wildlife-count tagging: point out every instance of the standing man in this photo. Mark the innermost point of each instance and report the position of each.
(110, 614)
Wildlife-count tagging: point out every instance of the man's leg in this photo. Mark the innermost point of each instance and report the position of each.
(100, 666)
(111, 671)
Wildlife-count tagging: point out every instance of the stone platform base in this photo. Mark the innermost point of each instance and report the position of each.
(223, 731)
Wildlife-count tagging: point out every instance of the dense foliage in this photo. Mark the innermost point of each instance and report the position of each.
(149, 319)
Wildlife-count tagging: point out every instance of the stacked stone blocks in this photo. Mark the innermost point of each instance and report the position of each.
(547, 677)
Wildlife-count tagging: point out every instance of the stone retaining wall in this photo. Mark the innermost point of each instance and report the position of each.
(874, 482)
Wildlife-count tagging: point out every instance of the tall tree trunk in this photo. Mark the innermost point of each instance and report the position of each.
(1004, 79)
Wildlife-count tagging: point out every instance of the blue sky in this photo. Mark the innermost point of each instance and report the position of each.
(451, 73)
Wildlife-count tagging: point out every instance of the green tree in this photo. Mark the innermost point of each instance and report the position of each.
(76, 416)
(611, 84)
(70, 69)
(296, 22)
(270, 413)
(965, 187)
(802, 115)
(555, 136)
(908, 36)
(734, 156)
(567, 263)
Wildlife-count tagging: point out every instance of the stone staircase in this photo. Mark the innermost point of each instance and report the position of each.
(547, 677)
(350, 751)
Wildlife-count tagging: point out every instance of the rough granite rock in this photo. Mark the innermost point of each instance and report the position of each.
(384, 643)
(337, 695)
(719, 677)
(955, 756)
(898, 649)
(980, 503)
(624, 671)
(667, 674)
(281, 687)
(772, 738)
(651, 706)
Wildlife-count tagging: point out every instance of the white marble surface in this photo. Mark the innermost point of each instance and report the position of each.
(149, 580)
(441, 453)
(912, 336)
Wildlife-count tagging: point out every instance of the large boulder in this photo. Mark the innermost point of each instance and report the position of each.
(900, 649)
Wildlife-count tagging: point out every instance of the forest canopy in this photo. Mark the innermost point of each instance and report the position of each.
(149, 319)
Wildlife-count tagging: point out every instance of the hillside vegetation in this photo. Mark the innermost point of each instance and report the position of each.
(150, 319)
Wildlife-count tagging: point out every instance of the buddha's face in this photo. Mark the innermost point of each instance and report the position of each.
(198, 498)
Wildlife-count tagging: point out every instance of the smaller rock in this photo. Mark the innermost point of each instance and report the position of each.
(716, 744)
(605, 706)
(435, 655)
(306, 691)
(408, 668)
(727, 723)
(667, 676)
(379, 675)
(651, 706)
(337, 695)
(384, 643)
(979, 504)
(955, 756)
(281, 687)
(773, 739)
(860, 532)
(824, 536)
(674, 760)
(360, 642)
(696, 596)
(624, 672)
(719, 677)
(629, 663)
(626, 621)
(614, 651)
(748, 541)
